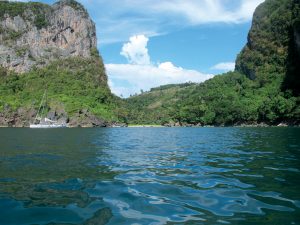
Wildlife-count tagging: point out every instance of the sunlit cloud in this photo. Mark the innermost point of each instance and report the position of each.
(136, 50)
(128, 79)
(224, 66)
(142, 74)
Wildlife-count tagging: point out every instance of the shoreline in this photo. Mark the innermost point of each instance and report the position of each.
(182, 126)
(144, 125)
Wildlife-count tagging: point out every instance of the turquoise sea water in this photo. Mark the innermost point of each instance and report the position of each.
(150, 176)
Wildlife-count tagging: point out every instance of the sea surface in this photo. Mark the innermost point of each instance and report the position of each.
(150, 176)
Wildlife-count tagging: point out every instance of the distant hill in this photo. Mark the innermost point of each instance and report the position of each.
(54, 48)
(263, 89)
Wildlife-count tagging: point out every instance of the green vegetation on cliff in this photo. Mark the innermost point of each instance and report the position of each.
(264, 88)
(74, 83)
(272, 49)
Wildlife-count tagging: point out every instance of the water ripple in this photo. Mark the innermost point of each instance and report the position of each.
(150, 176)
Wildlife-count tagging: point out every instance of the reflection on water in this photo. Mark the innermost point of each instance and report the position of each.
(150, 176)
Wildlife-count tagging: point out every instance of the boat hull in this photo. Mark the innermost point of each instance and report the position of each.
(47, 125)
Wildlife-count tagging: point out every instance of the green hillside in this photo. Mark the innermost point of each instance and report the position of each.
(72, 85)
(263, 89)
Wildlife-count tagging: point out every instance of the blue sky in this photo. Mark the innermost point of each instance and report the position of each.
(147, 43)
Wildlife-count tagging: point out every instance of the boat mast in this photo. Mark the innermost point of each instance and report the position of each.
(41, 105)
(45, 102)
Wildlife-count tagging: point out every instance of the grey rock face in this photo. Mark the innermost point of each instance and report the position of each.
(20, 118)
(68, 32)
(84, 118)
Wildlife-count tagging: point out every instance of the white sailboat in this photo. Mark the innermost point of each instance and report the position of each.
(44, 122)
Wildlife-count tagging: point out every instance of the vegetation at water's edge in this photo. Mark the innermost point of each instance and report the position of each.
(76, 83)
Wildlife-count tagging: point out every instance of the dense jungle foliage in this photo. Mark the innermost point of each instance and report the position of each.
(228, 99)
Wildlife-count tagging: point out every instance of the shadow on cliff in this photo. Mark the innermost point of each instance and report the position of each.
(292, 78)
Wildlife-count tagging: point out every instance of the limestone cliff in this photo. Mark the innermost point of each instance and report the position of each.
(51, 48)
(34, 33)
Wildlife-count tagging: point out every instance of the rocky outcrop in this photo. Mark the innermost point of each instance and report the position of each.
(84, 118)
(42, 33)
(16, 118)
(22, 117)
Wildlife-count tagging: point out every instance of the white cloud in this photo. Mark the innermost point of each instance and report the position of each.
(136, 50)
(141, 74)
(224, 66)
(209, 11)
(128, 79)
(120, 20)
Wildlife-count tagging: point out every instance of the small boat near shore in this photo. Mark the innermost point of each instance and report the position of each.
(44, 122)
(47, 126)
(47, 123)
